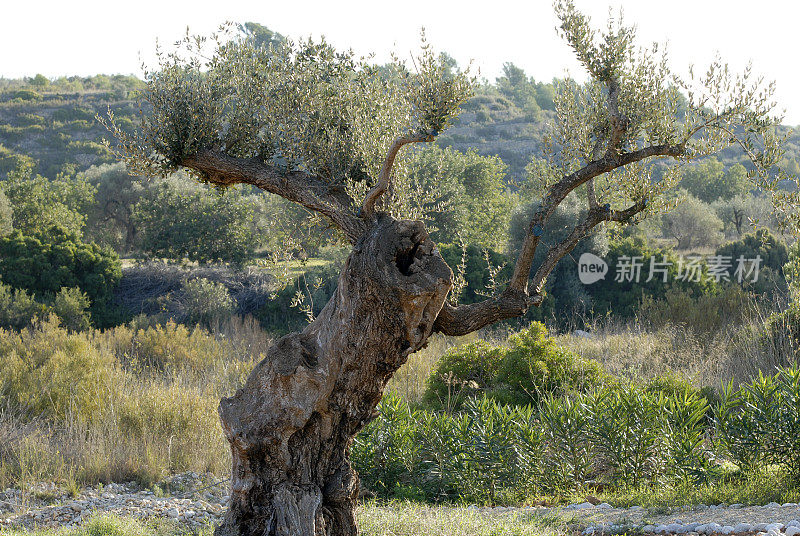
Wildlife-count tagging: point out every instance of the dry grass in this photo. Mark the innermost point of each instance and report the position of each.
(118, 405)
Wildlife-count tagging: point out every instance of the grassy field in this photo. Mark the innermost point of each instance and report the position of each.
(401, 519)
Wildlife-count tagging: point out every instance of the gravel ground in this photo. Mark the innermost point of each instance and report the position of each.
(190, 499)
(195, 500)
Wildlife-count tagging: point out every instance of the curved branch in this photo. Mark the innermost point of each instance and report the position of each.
(302, 188)
(463, 319)
(368, 206)
(593, 217)
(558, 191)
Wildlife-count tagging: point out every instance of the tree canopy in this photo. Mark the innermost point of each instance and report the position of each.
(325, 129)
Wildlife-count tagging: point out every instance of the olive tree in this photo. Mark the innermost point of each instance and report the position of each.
(331, 132)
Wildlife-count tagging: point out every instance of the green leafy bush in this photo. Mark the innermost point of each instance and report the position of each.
(206, 302)
(569, 455)
(71, 306)
(773, 253)
(18, 309)
(531, 366)
(625, 430)
(623, 297)
(535, 366)
(463, 371)
(44, 264)
(760, 421)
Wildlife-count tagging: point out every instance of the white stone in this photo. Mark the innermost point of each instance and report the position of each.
(675, 528)
(773, 505)
(581, 506)
(660, 528)
(649, 528)
(727, 529)
(760, 527)
(774, 527)
(700, 529)
(792, 531)
(712, 528)
(173, 513)
(743, 527)
(793, 523)
(603, 506)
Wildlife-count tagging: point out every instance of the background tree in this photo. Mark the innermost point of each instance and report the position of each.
(198, 225)
(326, 130)
(112, 220)
(741, 212)
(468, 199)
(709, 180)
(46, 263)
(40, 204)
(693, 224)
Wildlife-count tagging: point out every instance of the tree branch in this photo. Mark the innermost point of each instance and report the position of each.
(302, 188)
(559, 191)
(368, 206)
(593, 217)
(516, 299)
(463, 319)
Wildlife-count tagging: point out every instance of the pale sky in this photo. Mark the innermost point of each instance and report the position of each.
(83, 37)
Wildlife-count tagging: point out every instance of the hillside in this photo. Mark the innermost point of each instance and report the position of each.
(53, 125)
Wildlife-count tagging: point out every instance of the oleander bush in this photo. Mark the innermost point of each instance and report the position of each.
(617, 436)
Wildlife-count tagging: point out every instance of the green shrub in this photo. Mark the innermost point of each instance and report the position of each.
(71, 306)
(775, 402)
(688, 457)
(206, 302)
(623, 297)
(625, 430)
(535, 366)
(569, 455)
(45, 264)
(774, 255)
(463, 371)
(384, 452)
(18, 309)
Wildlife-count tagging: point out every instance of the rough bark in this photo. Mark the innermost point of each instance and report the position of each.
(291, 426)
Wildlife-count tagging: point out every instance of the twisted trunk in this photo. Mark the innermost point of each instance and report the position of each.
(291, 426)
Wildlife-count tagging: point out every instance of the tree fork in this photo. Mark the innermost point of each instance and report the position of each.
(291, 425)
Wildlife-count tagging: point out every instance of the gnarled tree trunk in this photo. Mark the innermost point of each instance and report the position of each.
(291, 426)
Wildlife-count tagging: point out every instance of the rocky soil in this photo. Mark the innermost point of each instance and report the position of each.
(189, 499)
(194, 500)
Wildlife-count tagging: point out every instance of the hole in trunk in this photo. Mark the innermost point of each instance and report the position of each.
(405, 259)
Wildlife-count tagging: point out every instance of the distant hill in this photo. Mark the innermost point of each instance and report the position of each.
(52, 123)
